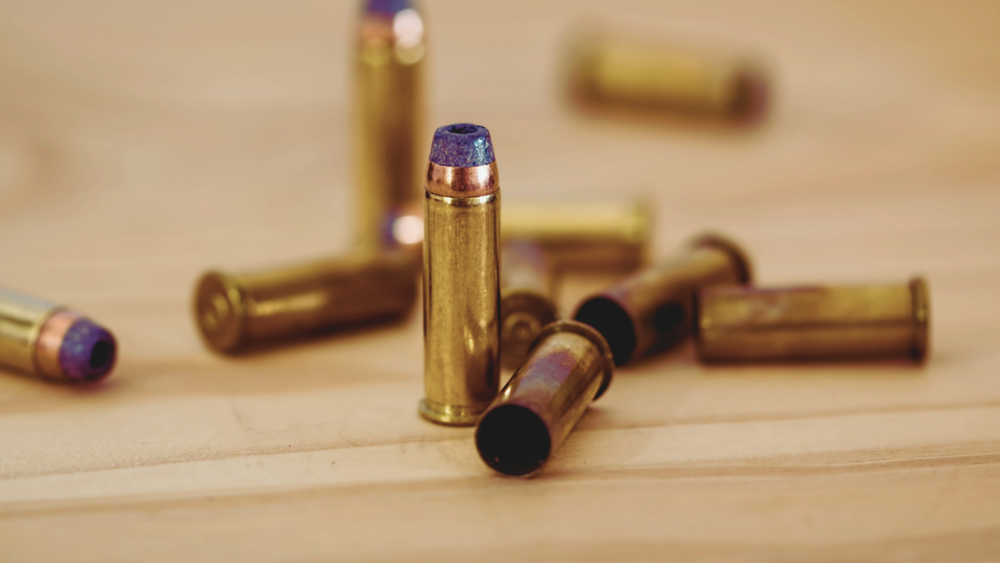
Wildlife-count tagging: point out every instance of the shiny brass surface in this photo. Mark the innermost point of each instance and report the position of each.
(389, 115)
(618, 72)
(235, 312)
(21, 321)
(454, 181)
(584, 235)
(527, 299)
(653, 308)
(461, 306)
(570, 366)
(814, 322)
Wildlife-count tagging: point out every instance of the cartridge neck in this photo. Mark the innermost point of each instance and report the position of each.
(455, 181)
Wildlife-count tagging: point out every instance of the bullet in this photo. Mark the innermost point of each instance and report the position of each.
(606, 236)
(619, 73)
(527, 289)
(236, 312)
(389, 109)
(746, 324)
(570, 366)
(653, 308)
(461, 276)
(53, 342)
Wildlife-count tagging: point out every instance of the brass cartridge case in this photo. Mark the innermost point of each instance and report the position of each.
(746, 324)
(653, 308)
(461, 277)
(570, 366)
(236, 312)
(389, 114)
(584, 235)
(527, 290)
(619, 73)
(52, 342)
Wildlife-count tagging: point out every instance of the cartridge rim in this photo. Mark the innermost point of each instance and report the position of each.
(219, 312)
(450, 415)
(515, 304)
(590, 333)
(921, 318)
(736, 253)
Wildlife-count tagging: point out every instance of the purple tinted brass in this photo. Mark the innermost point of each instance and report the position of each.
(653, 308)
(570, 366)
(235, 312)
(527, 289)
(814, 322)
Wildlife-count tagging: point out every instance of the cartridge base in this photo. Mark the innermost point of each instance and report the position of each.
(450, 415)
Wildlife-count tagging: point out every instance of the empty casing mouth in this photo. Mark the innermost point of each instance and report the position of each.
(513, 440)
(610, 319)
(569, 367)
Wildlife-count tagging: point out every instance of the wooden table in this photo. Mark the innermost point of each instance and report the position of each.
(141, 143)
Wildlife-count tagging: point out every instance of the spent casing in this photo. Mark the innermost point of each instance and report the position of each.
(237, 312)
(570, 366)
(746, 324)
(615, 72)
(527, 299)
(653, 308)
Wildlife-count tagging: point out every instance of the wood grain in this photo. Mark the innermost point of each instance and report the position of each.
(141, 144)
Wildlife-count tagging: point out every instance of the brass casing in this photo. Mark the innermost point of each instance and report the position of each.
(527, 303)
(654, 308)
(21, 321)
(235, 312)
(461, 306)
(814, 322)
(389, 115)
(616, 72)
(570, 366)
(584, 235)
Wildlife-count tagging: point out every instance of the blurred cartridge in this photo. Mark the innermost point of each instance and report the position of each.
(53, 342)
(570, 366)
(620, 73)
(461, 276)
(653, 308)
(745, 324)
(584, 235)
(389, 107)
(236, 312)
(527, 289)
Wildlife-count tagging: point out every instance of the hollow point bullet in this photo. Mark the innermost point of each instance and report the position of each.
(53, 342)
(237, 312)
(389, 108)
(527, 288)
(461, 276)
(746, 324)
(653, 308)
(569, 367)
(619, 73)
